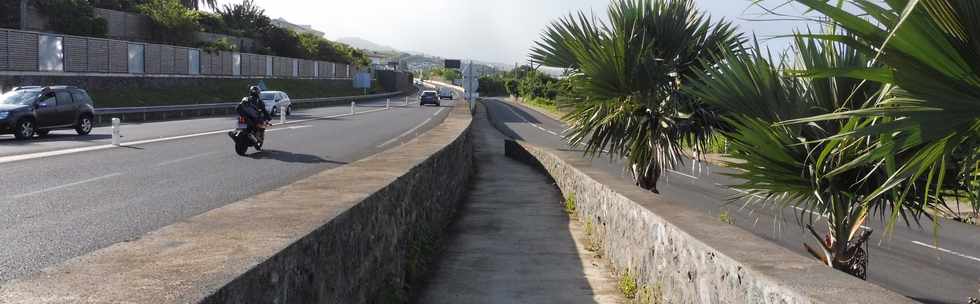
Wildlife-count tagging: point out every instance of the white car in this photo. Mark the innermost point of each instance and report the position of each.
(276, 100)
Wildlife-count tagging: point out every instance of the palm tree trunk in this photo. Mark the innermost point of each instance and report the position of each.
(850, 257)
(647, 179)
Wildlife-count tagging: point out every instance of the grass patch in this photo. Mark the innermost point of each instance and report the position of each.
(725, 217)
(627, 285)
(570, 203)
(650, 295)
(218, 90)
(545, 105)
(595, 244)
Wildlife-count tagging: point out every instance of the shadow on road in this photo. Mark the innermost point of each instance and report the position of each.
(290, 157)
(10, 140)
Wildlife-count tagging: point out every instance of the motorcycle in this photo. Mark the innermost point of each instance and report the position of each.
(245, 137)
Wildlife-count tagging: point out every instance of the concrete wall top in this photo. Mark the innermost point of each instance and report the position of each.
(249, 250)
(686, 255)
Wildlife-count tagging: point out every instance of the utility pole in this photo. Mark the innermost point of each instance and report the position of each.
(23, 15)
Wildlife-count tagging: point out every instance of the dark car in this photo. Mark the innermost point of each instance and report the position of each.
(429, 97)
(27, 111)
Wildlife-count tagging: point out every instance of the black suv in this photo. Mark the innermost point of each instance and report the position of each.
(26, 111)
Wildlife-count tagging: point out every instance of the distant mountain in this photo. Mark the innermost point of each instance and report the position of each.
(412, 58)
(366, 45)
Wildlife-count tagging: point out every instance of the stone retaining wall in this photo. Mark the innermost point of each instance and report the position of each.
(360, 233)
(677, 255)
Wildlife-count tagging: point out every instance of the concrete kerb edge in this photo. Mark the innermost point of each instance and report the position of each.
(690, 257)
(341, 236)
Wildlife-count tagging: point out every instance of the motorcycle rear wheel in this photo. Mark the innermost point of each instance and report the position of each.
(240, 148)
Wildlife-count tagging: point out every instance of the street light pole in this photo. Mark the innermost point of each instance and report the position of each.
(23, 15)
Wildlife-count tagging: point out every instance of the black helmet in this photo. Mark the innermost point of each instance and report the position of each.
(254, 91)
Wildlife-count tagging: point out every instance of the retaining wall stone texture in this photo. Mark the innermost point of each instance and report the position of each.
(347, 235)
(686, 255)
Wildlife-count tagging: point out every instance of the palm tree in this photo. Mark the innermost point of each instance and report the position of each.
(928, 49)
(626, 77)
(791, 164)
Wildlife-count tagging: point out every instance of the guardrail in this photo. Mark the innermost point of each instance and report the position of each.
(104, 115)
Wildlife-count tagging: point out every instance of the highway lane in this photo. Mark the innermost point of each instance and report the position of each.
(64, 139)
(56, 208)
(905, 261)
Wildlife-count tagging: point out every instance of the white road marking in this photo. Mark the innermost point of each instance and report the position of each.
(947, 251)
(682, 174)
(761, 197)
(427, 120)
(289, 128)
(437, 112)
(410, 131)
(170, 162)
(66, 185)
(529, 122)
(29, 156)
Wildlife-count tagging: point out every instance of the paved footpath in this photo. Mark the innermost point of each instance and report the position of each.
(512, 242)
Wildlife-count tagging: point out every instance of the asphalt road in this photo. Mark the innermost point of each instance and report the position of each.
(53, 208)
(912, 261)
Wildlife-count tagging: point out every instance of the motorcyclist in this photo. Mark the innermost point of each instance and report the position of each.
(252, 108)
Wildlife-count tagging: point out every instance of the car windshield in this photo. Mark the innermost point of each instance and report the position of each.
(267, 96)
(428, 93)
(21, 97)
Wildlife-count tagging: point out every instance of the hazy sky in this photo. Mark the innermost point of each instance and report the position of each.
(490, 30)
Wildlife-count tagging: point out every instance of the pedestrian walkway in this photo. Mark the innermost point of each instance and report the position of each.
(512, 242)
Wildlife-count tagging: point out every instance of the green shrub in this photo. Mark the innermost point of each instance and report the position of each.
(283, 42)
(172, 22)
(492, 86)
(245, 19)
(212, 23)
(570, 203)
(119, 5)
(222, 44)
(627, 285)
(512, 86)
(73, 17)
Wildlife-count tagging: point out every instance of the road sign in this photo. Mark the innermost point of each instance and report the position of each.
(362, 80)
(453, 63)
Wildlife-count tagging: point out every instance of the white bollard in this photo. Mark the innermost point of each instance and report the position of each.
(352, 105)
(406, 101)
(282, 116)
(115, 131)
